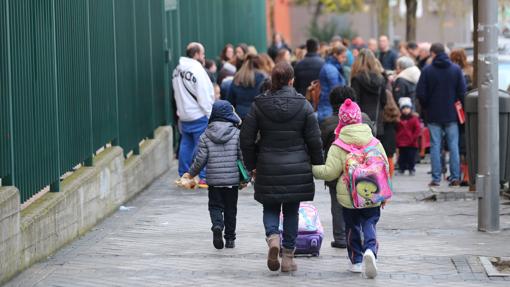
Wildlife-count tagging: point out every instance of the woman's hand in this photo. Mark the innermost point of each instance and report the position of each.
(253, 174)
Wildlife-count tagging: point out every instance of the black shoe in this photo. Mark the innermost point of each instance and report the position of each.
(338, 244)
(230, 243)
(434, 184)
(217, 237)
(454, 183)
(412, 173)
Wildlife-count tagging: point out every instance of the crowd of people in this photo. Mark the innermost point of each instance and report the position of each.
(256, 109)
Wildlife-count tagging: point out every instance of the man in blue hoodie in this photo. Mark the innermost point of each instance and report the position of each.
(441, 84)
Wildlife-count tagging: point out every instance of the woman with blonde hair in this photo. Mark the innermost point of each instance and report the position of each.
(246, 85)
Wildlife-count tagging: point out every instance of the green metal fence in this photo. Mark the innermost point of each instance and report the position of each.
(74, 76)
(77, 75)
(213, 23)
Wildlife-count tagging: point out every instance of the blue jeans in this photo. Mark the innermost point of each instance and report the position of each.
(190, 134)
(290, 221)
(357, 221)
(452, 139)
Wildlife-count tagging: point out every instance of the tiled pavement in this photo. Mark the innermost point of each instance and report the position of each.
(164, 240)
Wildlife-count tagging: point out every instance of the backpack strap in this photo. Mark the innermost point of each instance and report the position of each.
(352, 148)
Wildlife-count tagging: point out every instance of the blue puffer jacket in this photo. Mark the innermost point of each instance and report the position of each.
(242, 97)
(331, 76)
(441, 84)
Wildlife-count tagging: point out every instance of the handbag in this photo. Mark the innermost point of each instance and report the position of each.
(313, 93)
(460, 112)
(244, 177)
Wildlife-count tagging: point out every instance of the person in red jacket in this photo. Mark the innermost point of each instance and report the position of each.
(408, 131)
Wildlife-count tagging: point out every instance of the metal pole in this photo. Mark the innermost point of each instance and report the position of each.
(488, 114)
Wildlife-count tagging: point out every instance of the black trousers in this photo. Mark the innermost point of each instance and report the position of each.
(338, 217)
(407, 158)
(223, 209)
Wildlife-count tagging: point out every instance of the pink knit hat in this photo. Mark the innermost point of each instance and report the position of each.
(348, 114)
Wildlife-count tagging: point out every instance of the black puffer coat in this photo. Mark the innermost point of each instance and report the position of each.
(290, 141)
(369, 89)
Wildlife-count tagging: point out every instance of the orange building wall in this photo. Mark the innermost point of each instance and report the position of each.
(281, 20)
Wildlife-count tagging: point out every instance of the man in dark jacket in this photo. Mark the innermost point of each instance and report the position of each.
(441, 84)
(336, 98)
(308, 69)
(387, 56)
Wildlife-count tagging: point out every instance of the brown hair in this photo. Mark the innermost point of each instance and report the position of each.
(281, 76)
(223, 55)
(246, 75)
(458, 56)
(266, 63)
(391, 112)
(366, 63)
(281, 55)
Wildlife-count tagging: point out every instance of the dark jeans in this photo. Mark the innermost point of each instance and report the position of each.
(407, 158)
(338, 217)
(357, 221)
(223, 209)
(290, 221)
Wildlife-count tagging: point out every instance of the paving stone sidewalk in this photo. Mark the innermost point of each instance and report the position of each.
(163, 239)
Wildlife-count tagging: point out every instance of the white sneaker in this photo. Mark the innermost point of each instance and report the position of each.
(370, 264)
(355, 268)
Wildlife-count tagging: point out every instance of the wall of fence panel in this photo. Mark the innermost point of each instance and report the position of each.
(243, 22)
(77, 77)
(103, 72)
(73, 80)
(33, 95)
(215, 23)
(159, 90)
(126, 74)
(5, 101)
(145, 95)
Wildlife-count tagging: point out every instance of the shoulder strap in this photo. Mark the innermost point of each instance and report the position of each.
(352, 148)
(377, 110)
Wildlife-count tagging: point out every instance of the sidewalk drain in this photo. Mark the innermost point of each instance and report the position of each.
(496, 266)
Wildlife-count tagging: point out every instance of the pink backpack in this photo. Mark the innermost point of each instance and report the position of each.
(366, 174)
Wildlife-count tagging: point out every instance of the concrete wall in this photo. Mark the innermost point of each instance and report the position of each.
(86, 197)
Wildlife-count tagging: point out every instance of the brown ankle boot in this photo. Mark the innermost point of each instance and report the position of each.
(288, 263)
(273, 242)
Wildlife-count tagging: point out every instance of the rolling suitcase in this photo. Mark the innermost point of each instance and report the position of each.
(310, 230)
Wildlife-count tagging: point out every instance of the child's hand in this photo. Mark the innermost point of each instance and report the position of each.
(187, 176)
(253, 174)
(383, 204)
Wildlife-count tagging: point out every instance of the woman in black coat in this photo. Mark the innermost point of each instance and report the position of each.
(280, 160)
(368, 81)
